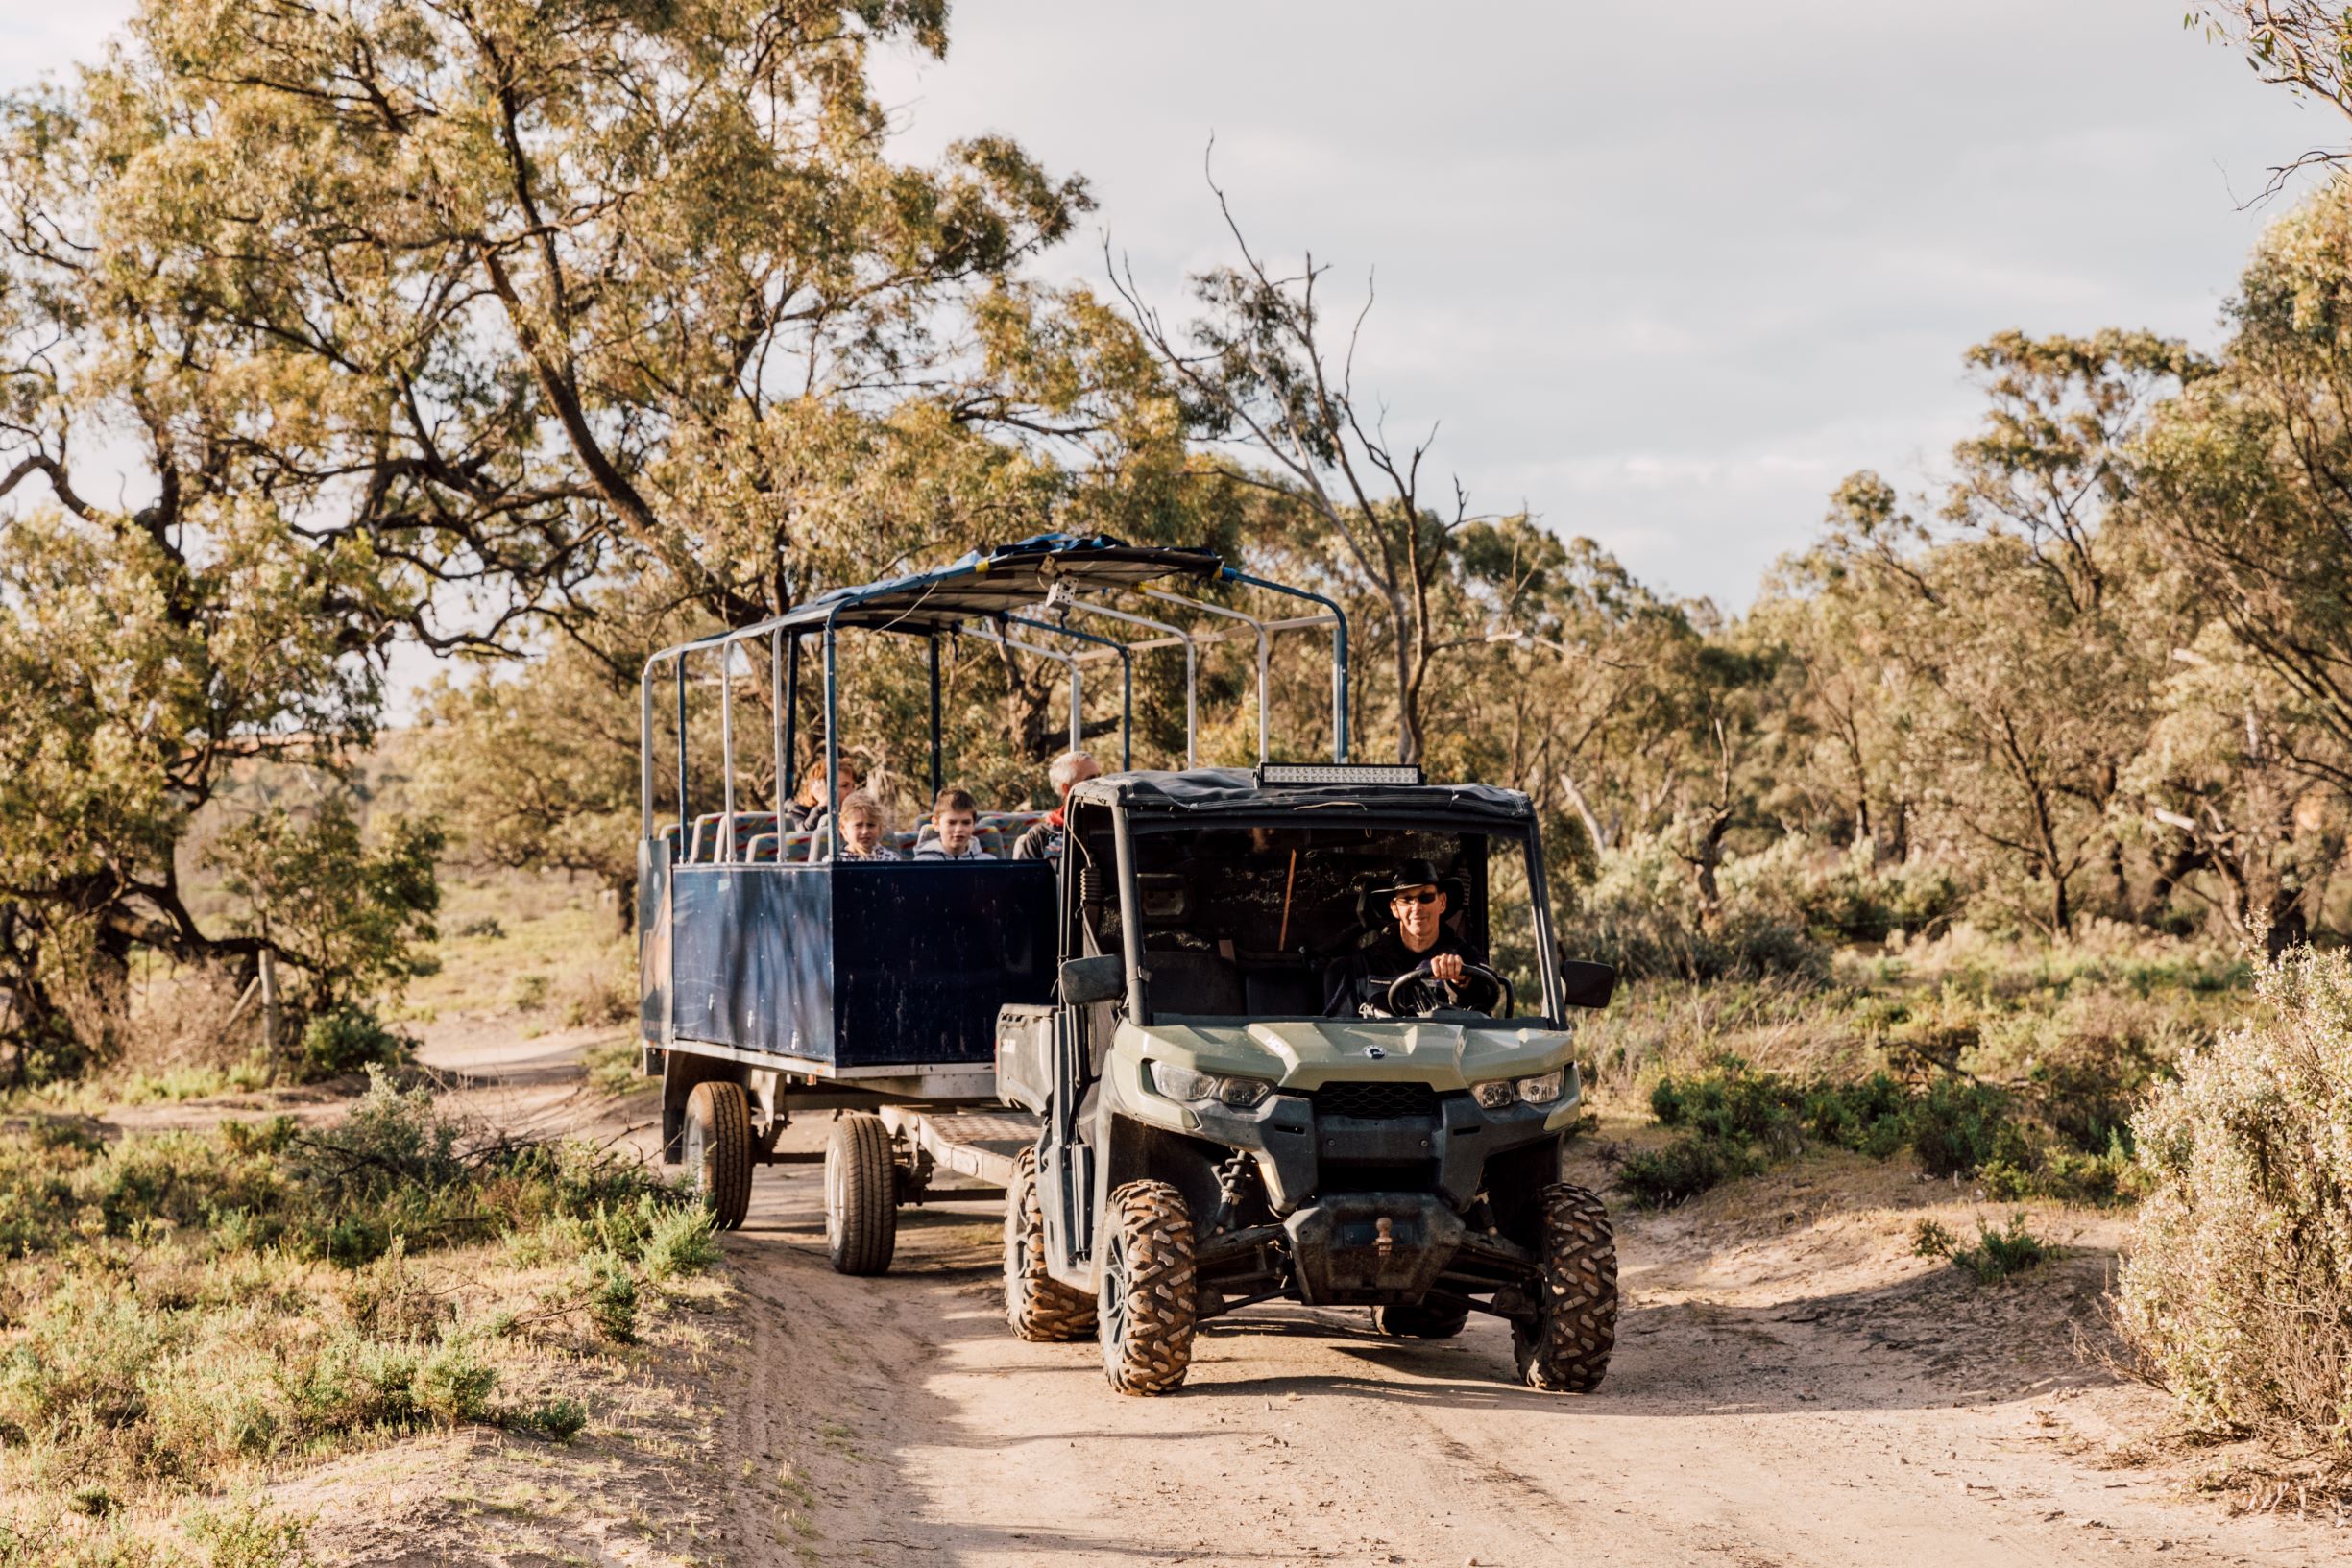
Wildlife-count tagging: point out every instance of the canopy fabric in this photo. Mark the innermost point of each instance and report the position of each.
(998, 580)
(1200, 792)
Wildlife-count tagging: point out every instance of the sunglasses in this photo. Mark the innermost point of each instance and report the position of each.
(1427, 895)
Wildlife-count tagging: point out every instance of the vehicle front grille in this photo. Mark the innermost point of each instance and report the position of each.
(1375, 1100)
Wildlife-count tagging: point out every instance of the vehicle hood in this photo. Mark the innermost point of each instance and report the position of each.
(1306, 1053)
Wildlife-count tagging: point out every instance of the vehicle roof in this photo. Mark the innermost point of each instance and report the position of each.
(1215, 791)
(1000, 579)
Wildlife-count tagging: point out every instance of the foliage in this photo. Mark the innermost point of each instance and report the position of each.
(2236, 1291)
(185, 1306)
(1996, 1255)
(347, 1039)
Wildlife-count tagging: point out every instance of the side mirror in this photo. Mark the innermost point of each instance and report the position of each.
(1587, 984)
(1088, 980)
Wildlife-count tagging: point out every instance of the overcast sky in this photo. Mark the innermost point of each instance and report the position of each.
(1664, 274)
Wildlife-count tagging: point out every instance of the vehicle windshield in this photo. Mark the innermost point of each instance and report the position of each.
(1270, 915)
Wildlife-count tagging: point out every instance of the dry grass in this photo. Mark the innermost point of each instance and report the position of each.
(191, 1315)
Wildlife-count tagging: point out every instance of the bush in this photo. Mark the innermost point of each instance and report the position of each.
(1996, 1256)
(558, 1420)
(684, 1241)
(1689, 1166)
(612, 1299)
(1958, 1126)
(347, 1038)
(453, 1383)
(1642, 914)
(2239, 1289)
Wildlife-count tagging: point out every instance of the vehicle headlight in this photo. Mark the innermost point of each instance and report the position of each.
(1499, 1094)
(1543, 1089)
(1206, 1087)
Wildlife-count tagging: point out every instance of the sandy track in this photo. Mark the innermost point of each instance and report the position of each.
(1791, 1387)
(1801, 1400)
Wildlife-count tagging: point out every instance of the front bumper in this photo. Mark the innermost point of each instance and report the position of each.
(1303, 1151)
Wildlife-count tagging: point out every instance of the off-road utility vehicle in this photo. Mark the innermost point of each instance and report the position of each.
(1239, 1108)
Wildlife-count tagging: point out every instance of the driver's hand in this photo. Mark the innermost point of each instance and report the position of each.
(1446, 967)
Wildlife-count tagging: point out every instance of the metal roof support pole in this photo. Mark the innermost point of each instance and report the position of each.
(1192, 662)
(644, 749)
(1077, 691)
(1339, 652)
(833, 714)
(775, 703)
(1265, 644)
(1127, 674)
(686, 820)
(726, 751)
(937, 760)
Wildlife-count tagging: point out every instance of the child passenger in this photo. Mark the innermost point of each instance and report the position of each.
(956, 817)
(862, 829)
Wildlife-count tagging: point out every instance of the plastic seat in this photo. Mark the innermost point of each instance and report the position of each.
(762, 850)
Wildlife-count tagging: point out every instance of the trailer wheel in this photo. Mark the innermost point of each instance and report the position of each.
(1565, 1347)
(1040, 1308)
(1418, 1320)
(861, 1195)
(718, 1149)
(1144, 1316)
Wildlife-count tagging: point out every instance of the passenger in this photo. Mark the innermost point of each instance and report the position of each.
(956, 816)
(1416, 903)
(1043, 840)
(811, 806)
(863, 827)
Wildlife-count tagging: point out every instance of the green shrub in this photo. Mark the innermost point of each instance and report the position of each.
(684, 1241)
(558, 1420)
(1689, 1166)
(453, 1383)
(612, 1300)
(1996, 1256)
(1732, 1103)
(2239, 1290)
(1873, 1117)
(1958, 1126)
(347, 1038)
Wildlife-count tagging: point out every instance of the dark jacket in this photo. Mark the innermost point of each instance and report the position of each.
(1042, 841)
(1365, 974)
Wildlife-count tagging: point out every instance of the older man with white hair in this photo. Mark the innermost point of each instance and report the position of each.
(1043, 841)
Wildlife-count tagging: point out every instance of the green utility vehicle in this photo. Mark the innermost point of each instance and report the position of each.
(1240, 1106)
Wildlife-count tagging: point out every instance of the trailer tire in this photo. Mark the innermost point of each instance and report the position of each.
(718, 1149)
(1564, 1346)
(1416, 1320)
(1145, 1317)
(1039, 1307)
(861, 1195)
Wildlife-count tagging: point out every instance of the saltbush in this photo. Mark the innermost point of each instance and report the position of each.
(2239, 1290)
(349, 1038)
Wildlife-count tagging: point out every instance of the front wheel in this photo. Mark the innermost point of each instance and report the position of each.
(861, 1195)
(1564, 1346)
(1039, 1307)
(1144, 1315)
(718, 1149)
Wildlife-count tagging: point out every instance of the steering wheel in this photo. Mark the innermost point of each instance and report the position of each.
(1417, 985)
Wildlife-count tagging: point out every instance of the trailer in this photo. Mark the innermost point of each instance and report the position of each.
(776, 980)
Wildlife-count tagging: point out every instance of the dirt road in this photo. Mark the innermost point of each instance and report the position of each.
(1782, 1401)
(1791, 1387)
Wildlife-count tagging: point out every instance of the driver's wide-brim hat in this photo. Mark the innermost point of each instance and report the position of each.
(1410, 875)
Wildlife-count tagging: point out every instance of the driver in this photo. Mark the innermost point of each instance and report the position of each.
(1416, 901)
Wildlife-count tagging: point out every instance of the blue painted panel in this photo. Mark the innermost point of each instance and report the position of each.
(880, 965)
(925, 954)
(751, 954)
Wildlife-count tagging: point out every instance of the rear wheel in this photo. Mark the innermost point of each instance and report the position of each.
(1144, 1315)
(1415, 1320)
(861, 1195)
(718, 1149)
(1565, 1347)
(1040, 1308)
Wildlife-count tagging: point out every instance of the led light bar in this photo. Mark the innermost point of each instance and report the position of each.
(1338, 773)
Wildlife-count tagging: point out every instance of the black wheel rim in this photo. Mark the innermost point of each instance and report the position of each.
(1111, 1310)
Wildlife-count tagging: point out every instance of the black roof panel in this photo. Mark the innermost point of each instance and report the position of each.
(998, 580)
(1199, 792)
